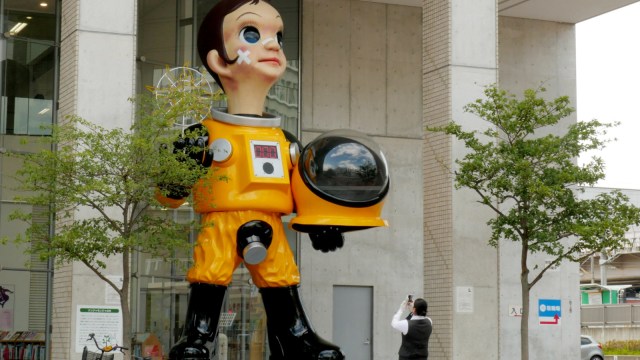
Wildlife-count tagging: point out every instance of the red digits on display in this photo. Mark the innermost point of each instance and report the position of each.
(265, 151)
(273, 153)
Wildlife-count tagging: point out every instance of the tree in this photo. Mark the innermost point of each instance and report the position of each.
(97, 184)
(531, 182)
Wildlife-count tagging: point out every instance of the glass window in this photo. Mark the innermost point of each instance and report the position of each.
(27, 94)
(28, 54)
(161, 298)
(24, 279)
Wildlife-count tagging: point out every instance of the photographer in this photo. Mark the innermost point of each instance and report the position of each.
(415, 328)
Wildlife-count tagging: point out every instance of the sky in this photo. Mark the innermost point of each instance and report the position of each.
(608, 88)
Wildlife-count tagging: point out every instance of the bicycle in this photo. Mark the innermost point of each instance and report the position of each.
(89, 355)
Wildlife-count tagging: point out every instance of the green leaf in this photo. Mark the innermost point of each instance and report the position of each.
(523, 167)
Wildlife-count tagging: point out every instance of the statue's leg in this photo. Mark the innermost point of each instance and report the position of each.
(201, 324)
(291, 336)
(214, 262)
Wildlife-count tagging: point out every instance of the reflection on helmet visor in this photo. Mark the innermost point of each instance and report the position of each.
(345, 170)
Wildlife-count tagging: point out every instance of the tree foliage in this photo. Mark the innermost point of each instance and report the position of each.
(98, 184)
(112, 172)
(528, 175)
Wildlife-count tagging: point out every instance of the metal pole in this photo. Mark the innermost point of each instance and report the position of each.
(50, 261)
(243, 328)
(603, 269)
(48, 323)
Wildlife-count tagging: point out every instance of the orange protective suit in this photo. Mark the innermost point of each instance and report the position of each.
(253, 157)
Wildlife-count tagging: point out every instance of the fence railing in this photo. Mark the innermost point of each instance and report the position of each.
(610, 315)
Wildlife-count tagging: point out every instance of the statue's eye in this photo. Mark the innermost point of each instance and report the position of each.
(279, 37)
(250, 35)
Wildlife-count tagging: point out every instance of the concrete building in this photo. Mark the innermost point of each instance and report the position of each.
(387, 68)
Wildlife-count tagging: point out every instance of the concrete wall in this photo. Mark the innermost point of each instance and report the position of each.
(360, 66)
(533, 54)
(621, 333)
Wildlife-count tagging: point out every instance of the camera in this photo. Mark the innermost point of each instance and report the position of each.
(409, 298)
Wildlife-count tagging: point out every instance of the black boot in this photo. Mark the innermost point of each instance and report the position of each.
(291, 336)
(201, 324)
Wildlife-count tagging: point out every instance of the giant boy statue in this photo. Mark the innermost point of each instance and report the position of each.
(336, 184)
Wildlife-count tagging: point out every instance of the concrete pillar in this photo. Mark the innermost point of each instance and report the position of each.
(459, 59)
(97, 62)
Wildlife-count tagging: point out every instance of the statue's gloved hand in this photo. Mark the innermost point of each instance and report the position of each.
(189, 146)
(174, 191)
(327, 239)
(193, 143)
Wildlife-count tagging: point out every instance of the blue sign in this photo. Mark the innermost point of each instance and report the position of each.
(549, 311)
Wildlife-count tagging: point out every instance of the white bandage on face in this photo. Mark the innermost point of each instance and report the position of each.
(267, 40)
(243, 56)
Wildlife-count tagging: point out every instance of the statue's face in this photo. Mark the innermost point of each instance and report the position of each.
(253, 33)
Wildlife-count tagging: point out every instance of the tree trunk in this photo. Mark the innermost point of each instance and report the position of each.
(126, 329)
(524, 320)
(124, 304)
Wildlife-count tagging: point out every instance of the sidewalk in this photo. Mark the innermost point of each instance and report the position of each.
(621, 357)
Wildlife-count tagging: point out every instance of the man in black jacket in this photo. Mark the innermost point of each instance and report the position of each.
(415, 329)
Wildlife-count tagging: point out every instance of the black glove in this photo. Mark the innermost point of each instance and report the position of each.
(173, 191)
(327, 239)
(193, 143)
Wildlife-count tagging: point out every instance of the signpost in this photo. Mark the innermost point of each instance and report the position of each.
(104, 321)
(549, 311)
(515, 310)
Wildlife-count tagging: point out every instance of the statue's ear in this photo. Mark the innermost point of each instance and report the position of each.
(217, 64)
